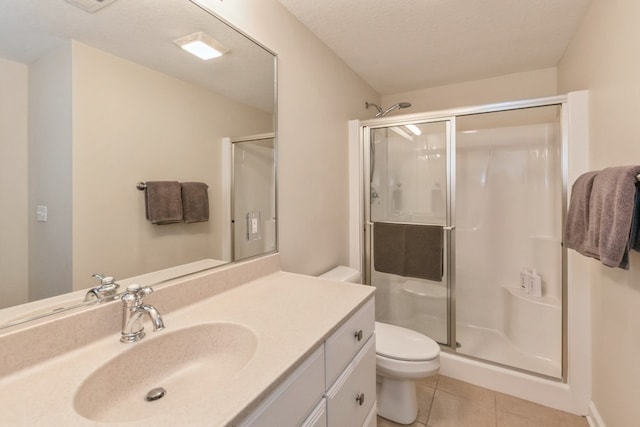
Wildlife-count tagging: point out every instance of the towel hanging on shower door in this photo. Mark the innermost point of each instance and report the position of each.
(409, 250)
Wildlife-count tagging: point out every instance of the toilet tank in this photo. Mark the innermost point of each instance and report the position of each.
(343, 274)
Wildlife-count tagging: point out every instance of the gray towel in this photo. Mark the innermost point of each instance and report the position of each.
(163, 202)
(634, 241)
(577, 223)
(195, 202)
(608, 217)
(408, 250)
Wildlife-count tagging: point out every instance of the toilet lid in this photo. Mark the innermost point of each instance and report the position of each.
(400, 343)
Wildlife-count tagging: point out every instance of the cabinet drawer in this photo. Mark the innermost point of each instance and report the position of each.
(351, 397)
(294, 399)
(348, 339)
(318, 417)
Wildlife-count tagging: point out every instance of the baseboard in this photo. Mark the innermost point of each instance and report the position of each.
(594, 419)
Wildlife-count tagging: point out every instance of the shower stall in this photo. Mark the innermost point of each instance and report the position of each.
(463, 215)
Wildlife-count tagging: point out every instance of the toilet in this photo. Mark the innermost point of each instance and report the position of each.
(402, 357)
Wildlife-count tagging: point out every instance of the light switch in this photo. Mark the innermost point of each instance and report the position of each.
(253, 225)
(41, 213)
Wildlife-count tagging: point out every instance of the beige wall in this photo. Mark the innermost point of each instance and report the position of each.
(603, 57)
(510, 87)
(133, 124)
(13, 182)
(317, 95)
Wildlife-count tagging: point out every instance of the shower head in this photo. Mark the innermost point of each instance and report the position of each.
(388, 110)
(394, 107)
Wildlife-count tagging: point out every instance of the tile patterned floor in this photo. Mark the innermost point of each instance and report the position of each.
(445, 402)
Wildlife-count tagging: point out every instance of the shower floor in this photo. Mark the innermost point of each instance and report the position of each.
(492, 345)
(483, 343)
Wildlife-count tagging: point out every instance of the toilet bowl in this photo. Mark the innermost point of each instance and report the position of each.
(402, 357)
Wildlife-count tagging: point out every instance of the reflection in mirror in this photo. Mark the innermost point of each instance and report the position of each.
(253, 193)
(95, 102)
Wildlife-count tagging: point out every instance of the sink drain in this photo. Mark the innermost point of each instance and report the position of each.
(155, 394)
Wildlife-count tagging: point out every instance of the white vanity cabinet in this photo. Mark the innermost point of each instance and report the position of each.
(350, 355)
(334, 387)
(318, 417)
(291, 402)
(351, 397)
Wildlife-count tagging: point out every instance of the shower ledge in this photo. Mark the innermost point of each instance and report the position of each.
(519, 292)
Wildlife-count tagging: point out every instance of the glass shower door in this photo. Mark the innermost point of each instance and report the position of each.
(409, 225)
(253, 214)
(508, 238)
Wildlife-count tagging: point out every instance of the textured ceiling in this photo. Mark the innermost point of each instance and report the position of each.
(403, 45)
(142, 31)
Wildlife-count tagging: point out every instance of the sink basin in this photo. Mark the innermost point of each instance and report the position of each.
(186, 363)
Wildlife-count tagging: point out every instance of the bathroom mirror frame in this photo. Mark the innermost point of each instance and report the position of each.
(23, 313)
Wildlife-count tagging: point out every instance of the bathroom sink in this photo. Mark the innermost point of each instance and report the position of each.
(188, 363)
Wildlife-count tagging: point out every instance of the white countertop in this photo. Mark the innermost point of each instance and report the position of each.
(290, 315)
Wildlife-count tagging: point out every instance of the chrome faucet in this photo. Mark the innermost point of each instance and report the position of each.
(133, 311)
(106, 290)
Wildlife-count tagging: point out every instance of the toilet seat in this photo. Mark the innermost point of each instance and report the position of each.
(404, 345)
(402, 369)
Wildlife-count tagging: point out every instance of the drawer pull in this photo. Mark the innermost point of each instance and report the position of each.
(360, 399)
(358, 335)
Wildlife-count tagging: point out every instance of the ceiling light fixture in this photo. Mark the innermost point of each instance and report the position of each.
(201, 45)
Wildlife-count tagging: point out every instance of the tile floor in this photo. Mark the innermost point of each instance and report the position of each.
(445, 402)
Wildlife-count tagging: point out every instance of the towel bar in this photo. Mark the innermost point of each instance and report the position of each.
(141, 186)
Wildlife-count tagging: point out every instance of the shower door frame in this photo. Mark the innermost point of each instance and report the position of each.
(450, 116)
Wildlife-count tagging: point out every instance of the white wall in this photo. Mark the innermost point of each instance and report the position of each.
(13, 183)
(603, 57)
(131, 124)
(317, 95)
(50, 173)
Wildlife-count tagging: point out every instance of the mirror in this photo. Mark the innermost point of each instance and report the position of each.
(95, 101)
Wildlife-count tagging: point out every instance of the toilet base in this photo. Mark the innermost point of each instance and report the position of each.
(397, 400)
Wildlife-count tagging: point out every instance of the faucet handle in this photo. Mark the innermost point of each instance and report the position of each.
(106, 291)
(104, 280)
(135, 293)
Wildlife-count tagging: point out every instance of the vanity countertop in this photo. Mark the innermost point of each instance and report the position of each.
(289, 314)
